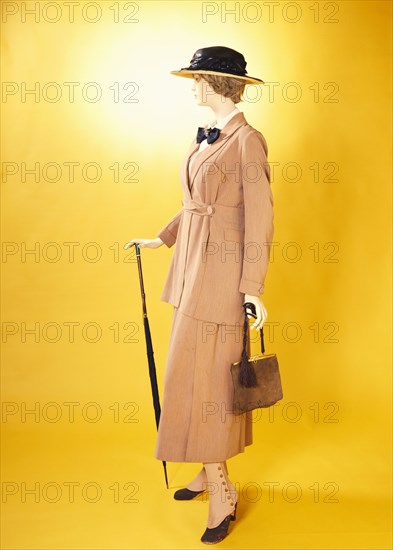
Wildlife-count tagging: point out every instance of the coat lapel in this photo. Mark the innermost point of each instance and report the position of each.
(229, 129)
(184, 168)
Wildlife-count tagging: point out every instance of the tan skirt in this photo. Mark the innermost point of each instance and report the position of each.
(196, 423)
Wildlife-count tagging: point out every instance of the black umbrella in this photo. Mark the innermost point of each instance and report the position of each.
(150, 352)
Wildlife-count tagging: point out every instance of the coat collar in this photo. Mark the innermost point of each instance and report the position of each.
(229, 129)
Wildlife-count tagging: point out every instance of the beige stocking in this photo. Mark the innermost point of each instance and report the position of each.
(199, 482)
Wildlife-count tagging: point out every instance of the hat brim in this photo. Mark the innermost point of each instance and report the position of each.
(189, 74)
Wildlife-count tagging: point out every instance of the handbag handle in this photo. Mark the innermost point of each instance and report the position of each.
(253, 313)
(247, 376)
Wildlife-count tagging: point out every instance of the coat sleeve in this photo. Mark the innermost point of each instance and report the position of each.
(168, 233)
(258, 214)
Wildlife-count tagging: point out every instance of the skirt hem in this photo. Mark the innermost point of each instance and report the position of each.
(172, 459)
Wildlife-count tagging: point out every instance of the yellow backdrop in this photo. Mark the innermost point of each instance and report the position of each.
(94, 132)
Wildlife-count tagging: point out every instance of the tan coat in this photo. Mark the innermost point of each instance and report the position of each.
(224, 230)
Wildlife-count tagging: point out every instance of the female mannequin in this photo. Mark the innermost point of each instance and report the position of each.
(174, 439)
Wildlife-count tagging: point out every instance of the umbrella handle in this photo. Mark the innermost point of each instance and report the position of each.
(138, 257)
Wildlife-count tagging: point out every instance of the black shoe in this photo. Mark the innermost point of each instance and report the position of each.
(186, 494)
(217, 534)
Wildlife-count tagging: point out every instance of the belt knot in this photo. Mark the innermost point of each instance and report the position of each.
(199, 208)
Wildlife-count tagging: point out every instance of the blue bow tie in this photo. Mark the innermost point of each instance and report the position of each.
(210, 134)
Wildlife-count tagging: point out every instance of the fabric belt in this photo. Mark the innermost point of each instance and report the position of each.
(199, 208)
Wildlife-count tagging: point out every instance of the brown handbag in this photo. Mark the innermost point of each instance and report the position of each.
(256, 379)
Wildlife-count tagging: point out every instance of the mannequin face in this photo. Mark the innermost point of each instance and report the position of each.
(204, 93)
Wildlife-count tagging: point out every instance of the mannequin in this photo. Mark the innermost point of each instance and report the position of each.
(214, 475)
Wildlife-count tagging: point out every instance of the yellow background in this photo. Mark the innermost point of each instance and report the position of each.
(330, 435)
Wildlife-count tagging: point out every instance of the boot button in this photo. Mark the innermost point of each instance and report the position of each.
(223, 482)
(228, 496)
(219, 467)
(221, 475)
(226, 490)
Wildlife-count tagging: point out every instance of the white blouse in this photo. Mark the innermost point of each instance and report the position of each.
(220, 123)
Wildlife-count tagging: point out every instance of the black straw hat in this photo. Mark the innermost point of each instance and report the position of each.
(218, 60)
